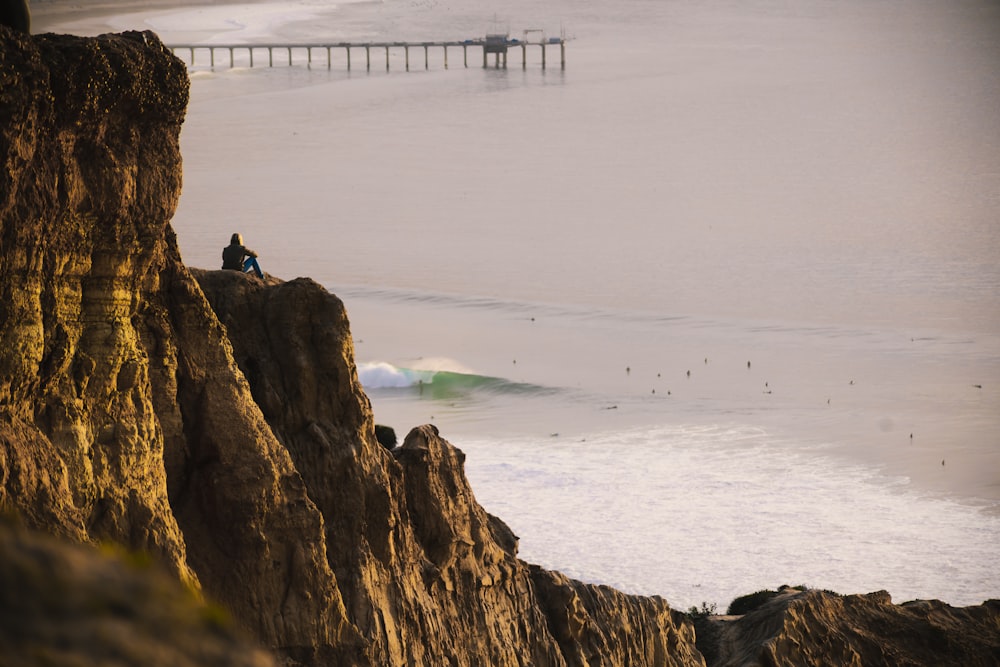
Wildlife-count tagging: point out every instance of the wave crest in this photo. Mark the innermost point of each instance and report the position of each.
(440, 381)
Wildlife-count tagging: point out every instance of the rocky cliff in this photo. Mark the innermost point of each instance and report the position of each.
(215, 422)
(124, 418)
(246, 463)
(809, 627)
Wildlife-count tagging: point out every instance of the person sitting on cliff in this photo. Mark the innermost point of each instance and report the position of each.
(238, 257)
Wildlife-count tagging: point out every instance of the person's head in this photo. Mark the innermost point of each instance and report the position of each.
(237, 239)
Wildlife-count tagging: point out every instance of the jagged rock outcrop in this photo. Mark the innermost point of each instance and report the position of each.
(427, 575)
(228, 437)
(799, 628)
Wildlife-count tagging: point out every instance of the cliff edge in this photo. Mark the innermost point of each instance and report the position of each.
(215, 422)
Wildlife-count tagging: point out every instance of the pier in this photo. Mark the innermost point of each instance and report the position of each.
(253, 55)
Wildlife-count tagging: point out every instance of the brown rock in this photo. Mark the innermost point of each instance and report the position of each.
(64, 604)
(803, 628)
(427, 575)
(123, 417)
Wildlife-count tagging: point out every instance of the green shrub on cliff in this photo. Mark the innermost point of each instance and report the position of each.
(705, 611)
(747, 603)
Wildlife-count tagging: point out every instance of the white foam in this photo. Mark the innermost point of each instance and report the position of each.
(708, 514)
(380, 375)
(438, 364)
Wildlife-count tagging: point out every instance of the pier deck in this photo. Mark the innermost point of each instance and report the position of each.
(304, 53)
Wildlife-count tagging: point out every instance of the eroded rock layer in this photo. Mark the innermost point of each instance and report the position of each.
(124, 417)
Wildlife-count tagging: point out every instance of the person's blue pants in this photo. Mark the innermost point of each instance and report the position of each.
(251, 263)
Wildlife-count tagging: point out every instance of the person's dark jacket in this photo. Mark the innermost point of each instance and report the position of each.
(234, 254)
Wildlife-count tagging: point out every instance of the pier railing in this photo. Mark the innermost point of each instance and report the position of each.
(310, 54)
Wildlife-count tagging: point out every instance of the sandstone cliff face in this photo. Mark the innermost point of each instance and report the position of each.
(229, 438)
(88, 136)
(427, 576)
(117, 384)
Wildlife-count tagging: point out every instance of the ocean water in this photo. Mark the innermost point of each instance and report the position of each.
(714, 309)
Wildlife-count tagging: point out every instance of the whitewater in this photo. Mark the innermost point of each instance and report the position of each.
(714, 309)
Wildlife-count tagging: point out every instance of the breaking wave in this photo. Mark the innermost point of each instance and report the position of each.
(439, 381)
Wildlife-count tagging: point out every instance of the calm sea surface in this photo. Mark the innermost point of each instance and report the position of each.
(716, 308)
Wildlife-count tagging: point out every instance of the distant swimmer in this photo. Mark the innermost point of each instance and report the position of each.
(237, 257)
(15, 14)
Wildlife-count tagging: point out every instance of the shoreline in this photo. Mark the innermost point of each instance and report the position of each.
(47, 16)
